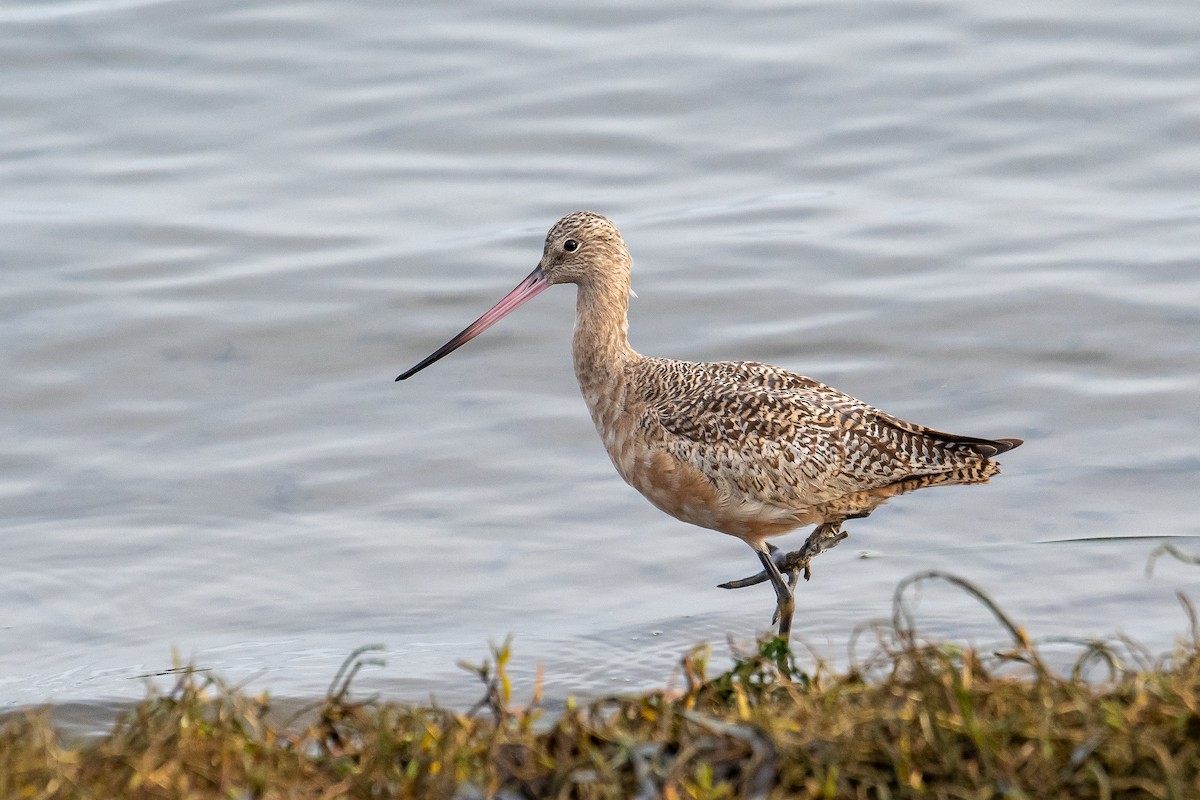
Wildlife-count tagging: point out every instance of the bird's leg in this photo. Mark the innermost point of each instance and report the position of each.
(786, 607)
(777, 555)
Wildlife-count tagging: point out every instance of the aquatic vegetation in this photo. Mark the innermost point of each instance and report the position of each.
(914, 718)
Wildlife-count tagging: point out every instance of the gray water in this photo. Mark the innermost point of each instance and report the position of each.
(225, 227)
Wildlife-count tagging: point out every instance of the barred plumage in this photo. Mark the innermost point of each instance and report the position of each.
(736, 446)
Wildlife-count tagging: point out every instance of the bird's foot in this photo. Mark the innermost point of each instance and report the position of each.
(825, 537)
(797, 562)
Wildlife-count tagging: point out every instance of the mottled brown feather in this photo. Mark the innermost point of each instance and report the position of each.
(738, 446)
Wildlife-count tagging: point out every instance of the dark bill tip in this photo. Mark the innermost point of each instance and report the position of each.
(534, 284)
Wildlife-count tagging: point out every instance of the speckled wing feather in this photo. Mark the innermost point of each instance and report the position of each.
(760, 432)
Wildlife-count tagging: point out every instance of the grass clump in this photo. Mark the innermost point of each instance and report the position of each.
(915, 719)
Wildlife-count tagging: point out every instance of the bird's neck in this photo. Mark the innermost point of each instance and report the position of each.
(600, 346)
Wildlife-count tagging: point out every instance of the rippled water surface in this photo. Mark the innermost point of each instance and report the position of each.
(225, 228)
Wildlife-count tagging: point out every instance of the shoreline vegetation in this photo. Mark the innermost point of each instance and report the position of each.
(913, 718)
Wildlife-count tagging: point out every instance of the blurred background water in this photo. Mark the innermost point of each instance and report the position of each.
(225, 227)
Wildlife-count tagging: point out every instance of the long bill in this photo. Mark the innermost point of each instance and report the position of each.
(526, 290)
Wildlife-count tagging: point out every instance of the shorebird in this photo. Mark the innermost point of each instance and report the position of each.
(740, 447)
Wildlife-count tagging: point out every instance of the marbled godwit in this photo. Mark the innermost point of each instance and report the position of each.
(743, 448)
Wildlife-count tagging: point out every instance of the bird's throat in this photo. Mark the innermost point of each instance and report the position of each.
(600, 347)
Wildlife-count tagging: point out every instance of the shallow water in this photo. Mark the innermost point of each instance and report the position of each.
(225, 228)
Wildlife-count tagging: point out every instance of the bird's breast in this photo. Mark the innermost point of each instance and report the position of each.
(672, 484)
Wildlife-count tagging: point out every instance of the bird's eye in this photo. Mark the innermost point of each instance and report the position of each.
(570, 245)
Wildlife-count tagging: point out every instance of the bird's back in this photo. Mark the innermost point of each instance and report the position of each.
(775, 445)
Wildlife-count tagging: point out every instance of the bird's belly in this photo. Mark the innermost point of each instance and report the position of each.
(684, 492)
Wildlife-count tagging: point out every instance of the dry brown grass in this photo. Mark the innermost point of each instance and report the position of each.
(916, 719)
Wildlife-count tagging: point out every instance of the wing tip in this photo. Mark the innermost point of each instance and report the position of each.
(994, 447)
